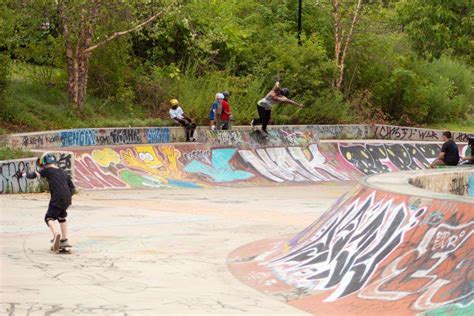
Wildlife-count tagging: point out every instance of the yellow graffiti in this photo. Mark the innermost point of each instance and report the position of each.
(172, 155)
(105, 157)
(162, 165)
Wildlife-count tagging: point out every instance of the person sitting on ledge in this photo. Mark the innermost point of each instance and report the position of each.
(449, 155)
(177, 114)
(469, 159)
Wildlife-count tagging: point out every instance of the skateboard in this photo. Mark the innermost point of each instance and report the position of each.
(63, 250)
(260, 136)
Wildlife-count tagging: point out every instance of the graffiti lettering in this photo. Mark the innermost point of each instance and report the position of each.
(126, 136)
(343, 253)
(437, 270)
(78, 138)
(157, 135)
(10, 183)
(371, 159)
(280, 164)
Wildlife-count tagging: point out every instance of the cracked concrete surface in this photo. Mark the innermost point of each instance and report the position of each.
(138, 252)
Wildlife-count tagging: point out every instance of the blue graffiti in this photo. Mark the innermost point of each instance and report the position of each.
(79, 137)
(220, 170)
(157, 135)
(470, 185)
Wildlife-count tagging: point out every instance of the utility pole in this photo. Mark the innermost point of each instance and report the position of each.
(300, 8)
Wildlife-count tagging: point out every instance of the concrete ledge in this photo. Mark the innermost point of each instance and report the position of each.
(399, 182)
(457, 183)
(157, 135)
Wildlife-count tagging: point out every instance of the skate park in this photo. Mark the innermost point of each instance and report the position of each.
(326, 220)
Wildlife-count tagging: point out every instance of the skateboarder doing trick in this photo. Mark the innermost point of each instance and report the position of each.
(62, 189)
(265, 105)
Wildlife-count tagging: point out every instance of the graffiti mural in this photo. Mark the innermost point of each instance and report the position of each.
(373, 250)
(220, 169)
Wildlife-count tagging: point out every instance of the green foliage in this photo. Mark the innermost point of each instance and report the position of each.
(438, 27)
(409, 63)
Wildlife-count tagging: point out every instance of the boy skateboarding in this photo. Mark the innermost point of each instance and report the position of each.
(61, 189)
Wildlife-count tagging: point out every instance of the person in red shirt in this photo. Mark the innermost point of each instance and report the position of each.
(226, 113)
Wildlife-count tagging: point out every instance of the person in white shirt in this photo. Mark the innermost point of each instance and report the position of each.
(177, 114)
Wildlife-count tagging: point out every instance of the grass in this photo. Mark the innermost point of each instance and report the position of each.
(30, 105)
(8, 153)
(466, 126)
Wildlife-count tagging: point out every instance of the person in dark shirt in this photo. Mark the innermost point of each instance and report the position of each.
(449, 155)
(61, 189)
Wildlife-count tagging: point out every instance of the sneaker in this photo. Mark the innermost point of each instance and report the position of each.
(64, 243)
(56, 242)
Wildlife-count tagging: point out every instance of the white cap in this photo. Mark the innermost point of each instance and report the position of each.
(219, 96)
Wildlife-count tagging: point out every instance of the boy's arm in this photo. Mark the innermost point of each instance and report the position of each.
(29, 174)
(276, 86)
(284, 99)
(72, 188)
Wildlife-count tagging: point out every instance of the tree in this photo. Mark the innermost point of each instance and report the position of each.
(80, 21)
(343, 33)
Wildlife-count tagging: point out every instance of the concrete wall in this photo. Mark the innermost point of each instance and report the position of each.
(458, 183)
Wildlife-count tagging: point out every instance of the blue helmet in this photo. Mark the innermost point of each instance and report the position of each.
(48, 159)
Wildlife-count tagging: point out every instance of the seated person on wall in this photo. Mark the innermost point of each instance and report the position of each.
(449, 155)
(177, 114)
(469, 158)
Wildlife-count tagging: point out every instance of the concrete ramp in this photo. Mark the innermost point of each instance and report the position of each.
(386, 248)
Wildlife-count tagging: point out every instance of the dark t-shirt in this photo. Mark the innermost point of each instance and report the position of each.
(60, 186)
(451, 153)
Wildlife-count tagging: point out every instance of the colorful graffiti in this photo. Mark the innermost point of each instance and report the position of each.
(379, 251)
(220, 169)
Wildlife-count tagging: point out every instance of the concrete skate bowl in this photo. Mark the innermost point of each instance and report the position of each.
(202, 165)
(385, 248)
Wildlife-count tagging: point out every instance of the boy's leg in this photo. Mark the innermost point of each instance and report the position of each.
(52, 227)
(436, 163)
(261, 115)
(267, 114)
(184, 124)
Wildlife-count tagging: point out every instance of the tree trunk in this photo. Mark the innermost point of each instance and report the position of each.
(341, 42)
(78, 25)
